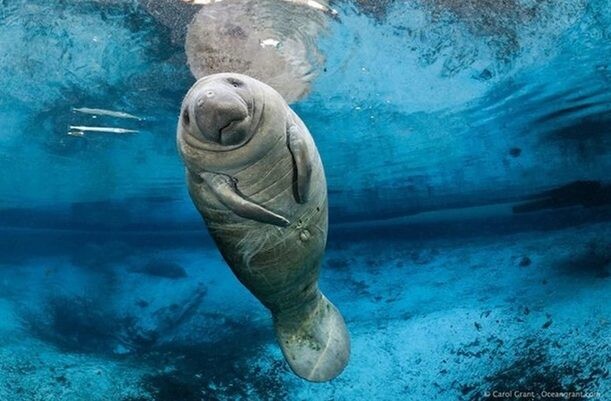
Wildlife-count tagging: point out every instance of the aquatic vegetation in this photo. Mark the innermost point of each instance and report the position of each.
(175, 15)
(592, 259)
(524, 261)
(578, 193)
(221, 380)
(534, 371)
(161, 268)
(375, 8)
(221, 369)
(78, 323)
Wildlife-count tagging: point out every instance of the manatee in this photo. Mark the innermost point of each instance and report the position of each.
(255, 176)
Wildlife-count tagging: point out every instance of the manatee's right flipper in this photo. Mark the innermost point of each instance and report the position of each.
(315, 344)
(226, 190)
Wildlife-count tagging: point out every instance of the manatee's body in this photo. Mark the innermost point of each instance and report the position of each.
(256, 177)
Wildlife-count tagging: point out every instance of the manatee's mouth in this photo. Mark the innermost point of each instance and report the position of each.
(228, 134)
(236, 130)
(228, 127)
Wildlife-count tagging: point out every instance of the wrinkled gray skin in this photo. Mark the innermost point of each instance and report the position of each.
(256, 177)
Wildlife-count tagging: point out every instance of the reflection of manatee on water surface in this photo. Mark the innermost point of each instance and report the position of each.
(256, 177)
(273, 41)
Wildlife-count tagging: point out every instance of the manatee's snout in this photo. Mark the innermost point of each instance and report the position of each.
(218, 113)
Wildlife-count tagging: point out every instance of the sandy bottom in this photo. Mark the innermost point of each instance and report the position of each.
(465, 319)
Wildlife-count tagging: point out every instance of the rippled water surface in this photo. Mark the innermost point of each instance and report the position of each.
(419, 106)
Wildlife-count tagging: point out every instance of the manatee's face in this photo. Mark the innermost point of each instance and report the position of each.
(218, 113)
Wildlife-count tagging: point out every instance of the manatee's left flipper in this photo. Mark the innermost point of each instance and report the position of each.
(226, 190)
(303, 163)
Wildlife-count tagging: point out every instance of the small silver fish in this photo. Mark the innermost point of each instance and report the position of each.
(110, 130)
(104, 112)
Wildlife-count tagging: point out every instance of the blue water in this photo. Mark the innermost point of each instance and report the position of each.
(467, 147)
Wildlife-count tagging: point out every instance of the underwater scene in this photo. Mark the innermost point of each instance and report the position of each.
(305, 200)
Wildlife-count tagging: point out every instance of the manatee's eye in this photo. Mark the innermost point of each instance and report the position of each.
(236, 83)
(185, 117)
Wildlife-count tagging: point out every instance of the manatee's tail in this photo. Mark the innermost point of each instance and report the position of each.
(314, 341)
